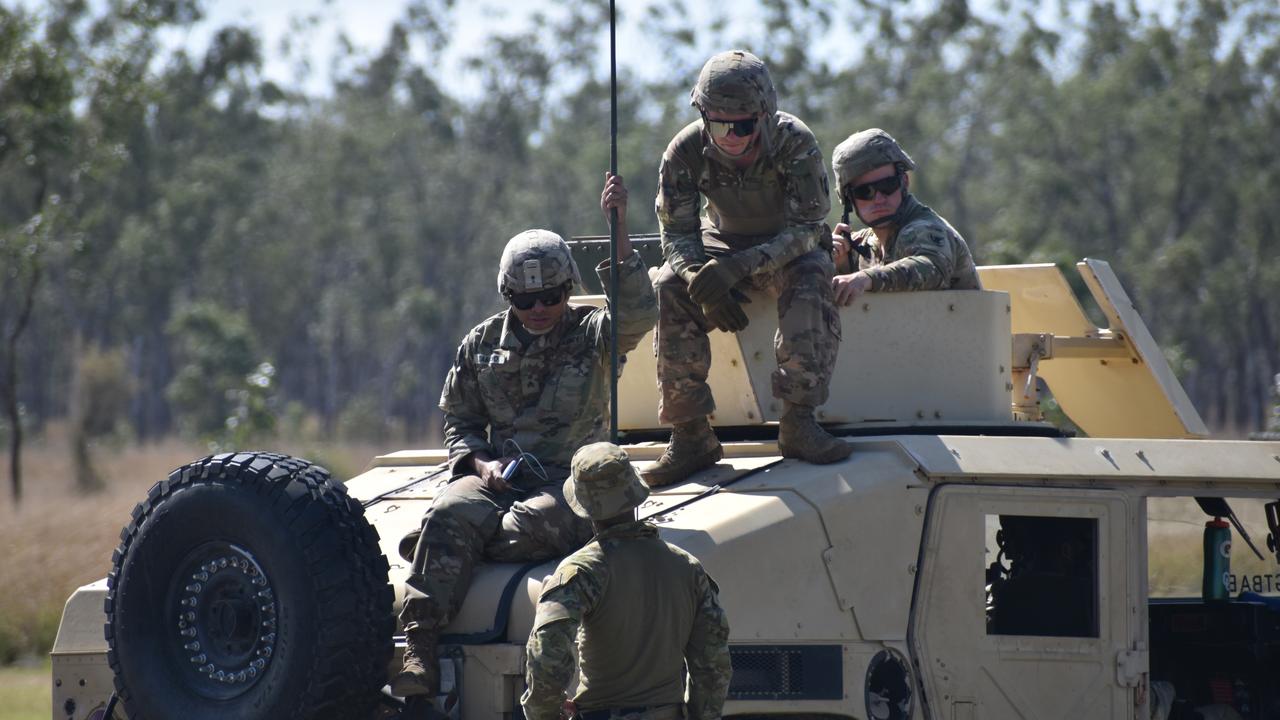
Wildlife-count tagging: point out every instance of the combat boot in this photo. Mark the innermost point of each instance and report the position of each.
(800, 436)
(693, 447)
(420, 674)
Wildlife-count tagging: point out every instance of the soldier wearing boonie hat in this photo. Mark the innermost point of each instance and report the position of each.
(646, 610)
(906, 245)
(530, 382)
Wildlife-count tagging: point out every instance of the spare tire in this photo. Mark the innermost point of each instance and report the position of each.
(249, 586)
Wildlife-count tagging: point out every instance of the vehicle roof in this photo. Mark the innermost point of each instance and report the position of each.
(936, 458)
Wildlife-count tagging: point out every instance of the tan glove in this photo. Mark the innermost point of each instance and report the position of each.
(725, 314)
(716, 278)
(689, 273)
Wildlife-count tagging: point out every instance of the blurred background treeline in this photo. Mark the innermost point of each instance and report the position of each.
(196, 256)
(190, 249)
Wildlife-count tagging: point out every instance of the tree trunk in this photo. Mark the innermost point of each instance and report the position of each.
(15, 435)
(11, 385)
(87, 478)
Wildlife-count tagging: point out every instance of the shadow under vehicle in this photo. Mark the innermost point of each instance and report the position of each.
(968, 560)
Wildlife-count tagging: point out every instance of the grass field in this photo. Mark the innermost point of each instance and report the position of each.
(59, 539)
(24, 692)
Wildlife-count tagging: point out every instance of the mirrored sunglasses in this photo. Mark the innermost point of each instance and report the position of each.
(549, 298)
(884, 186)
(722, 128)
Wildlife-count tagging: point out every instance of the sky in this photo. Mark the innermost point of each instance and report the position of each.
(366, 24)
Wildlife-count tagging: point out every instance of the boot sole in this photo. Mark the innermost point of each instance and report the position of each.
(409, 686)
(819, 460)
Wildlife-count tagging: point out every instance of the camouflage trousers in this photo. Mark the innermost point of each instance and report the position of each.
(468, 523)
(805, 345)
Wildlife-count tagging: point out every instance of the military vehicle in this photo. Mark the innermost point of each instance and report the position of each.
(968, 560)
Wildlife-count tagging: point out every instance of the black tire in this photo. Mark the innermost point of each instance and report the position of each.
(249, 586)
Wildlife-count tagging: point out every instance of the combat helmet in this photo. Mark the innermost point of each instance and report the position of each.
(536, 260)
(864, 151)
(735, 82)
(602, 483)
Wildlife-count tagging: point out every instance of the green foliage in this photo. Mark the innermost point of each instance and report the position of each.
(252, 413)
(1054, 414)
(204, 219)
(106, 388)
(219, 383)
(362, 420)
(31, 634)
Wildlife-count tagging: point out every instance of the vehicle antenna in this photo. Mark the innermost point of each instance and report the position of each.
(613, 228)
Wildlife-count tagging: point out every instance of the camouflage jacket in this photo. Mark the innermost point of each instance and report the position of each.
(782, 197)
(647, 610)
(551, 397)
(925, 253)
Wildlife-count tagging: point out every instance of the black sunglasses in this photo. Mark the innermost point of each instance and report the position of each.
(721, 128)
(884, 186)
(549, 298)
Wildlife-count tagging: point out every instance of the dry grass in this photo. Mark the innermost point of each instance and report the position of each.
(59, 539)
(25, 693)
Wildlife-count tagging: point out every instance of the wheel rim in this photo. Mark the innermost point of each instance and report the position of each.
(223, 611)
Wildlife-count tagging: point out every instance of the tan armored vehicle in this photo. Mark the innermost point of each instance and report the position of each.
(967, 561)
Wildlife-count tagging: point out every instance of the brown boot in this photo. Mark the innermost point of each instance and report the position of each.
(693, 447)
(800, 436)
(421, 672)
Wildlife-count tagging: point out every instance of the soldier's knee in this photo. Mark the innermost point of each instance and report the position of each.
(452, 509)
(815, 266)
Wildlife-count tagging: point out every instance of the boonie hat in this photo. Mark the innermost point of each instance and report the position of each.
(602, 482)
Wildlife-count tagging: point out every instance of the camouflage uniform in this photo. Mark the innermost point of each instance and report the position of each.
(549, 393)
(769, 217)
(646, 610)
(923, 252)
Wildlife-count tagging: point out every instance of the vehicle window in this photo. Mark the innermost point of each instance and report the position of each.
(1175, 549)
(1042, 576)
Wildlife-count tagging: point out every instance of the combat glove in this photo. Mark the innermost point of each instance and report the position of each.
(716, 278)
(687, 274)
(725, 314)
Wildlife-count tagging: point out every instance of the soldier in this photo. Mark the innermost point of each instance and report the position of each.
(905, 246)
(765, 185)
(646, 610)
(530, 382)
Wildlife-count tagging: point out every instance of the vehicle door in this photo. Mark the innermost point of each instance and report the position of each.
(1026, 604)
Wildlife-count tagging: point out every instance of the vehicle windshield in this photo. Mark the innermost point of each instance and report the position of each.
(1175, 549)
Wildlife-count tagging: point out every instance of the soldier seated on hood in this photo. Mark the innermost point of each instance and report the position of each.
(764, 183)
(530, 383)
(905, 246)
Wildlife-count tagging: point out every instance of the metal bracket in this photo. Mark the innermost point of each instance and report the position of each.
(1132, 665)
